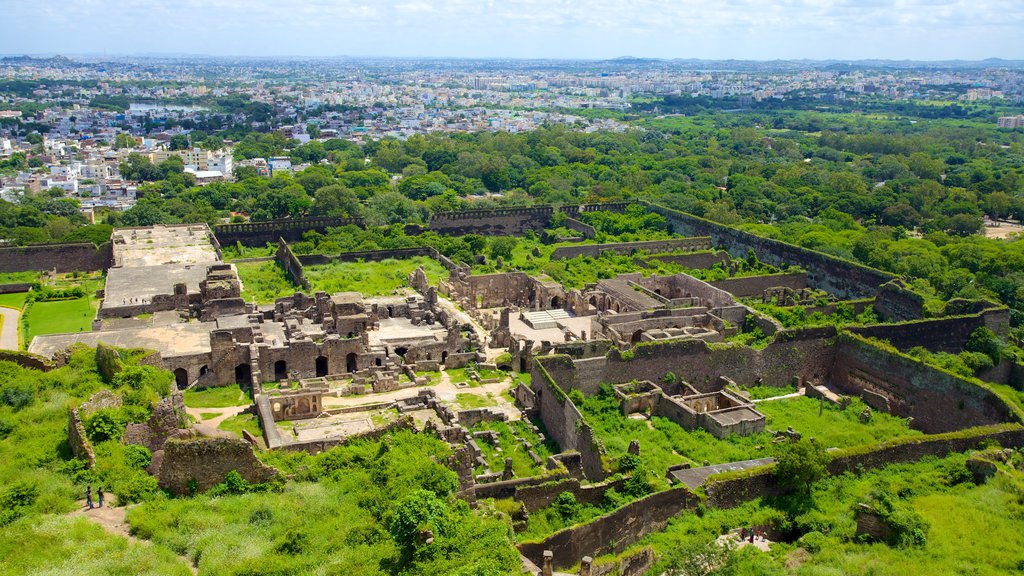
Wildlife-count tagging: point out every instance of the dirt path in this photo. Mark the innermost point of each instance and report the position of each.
(9, 330)
(114, 520)
(209, 427)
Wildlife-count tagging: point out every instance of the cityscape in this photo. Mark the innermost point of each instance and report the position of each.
(668, 289)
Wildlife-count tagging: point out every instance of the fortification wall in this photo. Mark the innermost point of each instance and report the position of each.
(652, 246)
(537, 496)
(499, 222)
(697, 260)
(27, 360)
(614, 532)
(756, 285)
(291, 264)
(60, 257)
(563, 421)
(15, 288)
(806, 353)
(575, 211)
(937, 401)
(938, 334)
(586, 230)
(377, 256)
(261, 233)
(206, 461)
(895, 302)
(842, 278)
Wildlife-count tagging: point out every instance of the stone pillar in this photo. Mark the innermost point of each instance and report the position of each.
(507, 473)
(585, 565)
(546, 568)
(634, 447)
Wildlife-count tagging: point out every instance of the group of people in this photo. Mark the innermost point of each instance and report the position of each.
(750, 534)
(99, 497)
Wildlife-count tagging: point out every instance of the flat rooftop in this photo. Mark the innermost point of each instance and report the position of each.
(694, 477)
(124, 284)
(181, 339)
(181, 244)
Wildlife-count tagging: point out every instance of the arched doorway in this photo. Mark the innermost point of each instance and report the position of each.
(637, 337)
(377, 362)
(350, 362)
(243, 375)
(321, 366)
(556, 303)
(444, 357)
(280, 370)
(181, 378)
(203, 370)
(402, 351)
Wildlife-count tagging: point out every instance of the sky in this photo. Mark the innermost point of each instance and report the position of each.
(592, 29)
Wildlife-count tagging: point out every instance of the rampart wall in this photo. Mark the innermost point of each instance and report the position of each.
(614, 532)
(697, 260)
(63, 258)
(937, 401)
(261, 233)
(291, 264)
(562, 420)
(842, 278)
(499, 222)
(938, 334)
(203, 463)
(756, 285)
(595, 250)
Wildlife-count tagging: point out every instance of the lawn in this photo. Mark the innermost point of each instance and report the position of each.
(468, 401)
(241, 422)
(664, 443)
(15, 300)
(59, 317)
(220, 397)
(522, 464)
(264, 282)
(370, 278)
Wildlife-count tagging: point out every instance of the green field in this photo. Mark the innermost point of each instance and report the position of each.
(221, 397)
(15, 300)
(264, 282)
(241, 422)
(59, 317)
(664, 443)
(370, 278)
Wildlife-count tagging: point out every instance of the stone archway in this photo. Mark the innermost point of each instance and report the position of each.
(181, 378)
(351, 362)
(321, 366)
(243, 375)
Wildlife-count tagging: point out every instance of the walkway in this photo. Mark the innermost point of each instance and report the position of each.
(694, 477)
(9, 330)
(114, 520)
(209, 427)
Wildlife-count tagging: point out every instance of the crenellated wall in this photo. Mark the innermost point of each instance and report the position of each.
(60, 257)
(839, 277)
(652, 246)
(261, 233)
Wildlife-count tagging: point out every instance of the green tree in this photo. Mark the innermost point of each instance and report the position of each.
(800, 464)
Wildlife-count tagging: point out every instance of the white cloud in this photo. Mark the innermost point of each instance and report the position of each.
(599, 28)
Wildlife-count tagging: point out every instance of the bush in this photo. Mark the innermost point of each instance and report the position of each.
(134, 487)
(105, 425)
(138, 457)
(15, 501)
(567, 506)
(813, 542)
(17, 395)
(629, 462)
(638, 484)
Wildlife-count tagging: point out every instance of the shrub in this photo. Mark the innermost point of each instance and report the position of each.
(629, 462)
(638, 484)
(17, 395)
(138, 457)
(813, 542)
(134, 487)
(567, 506)
(105, 425)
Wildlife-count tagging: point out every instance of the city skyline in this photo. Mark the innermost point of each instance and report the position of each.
(734, 29)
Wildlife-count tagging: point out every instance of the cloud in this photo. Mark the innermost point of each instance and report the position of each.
(596, 28)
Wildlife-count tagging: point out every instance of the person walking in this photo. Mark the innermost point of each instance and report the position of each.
(99, 495)
(88, 497)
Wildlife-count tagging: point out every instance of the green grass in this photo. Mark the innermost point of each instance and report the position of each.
(761, 392)
(972, 529)
(220, 397)
(457, 375)
(468, 401)
(234, 252)
(63, 545)
(209, 415)
(370, 278)
(15, 300)
(59, 317)
(264, 282)
(522, 464)
(236, 424)
(19, 277)
(664, 443)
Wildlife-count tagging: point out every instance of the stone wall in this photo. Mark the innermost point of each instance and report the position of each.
(261, 233)
(563, 421)
(291, 264)
(79, 443)
(27, 360)
(586, 230)
(377, 256)
(206, 461)
(64, 258)
(167, 418)
(896, 302)
(498, 222)
(843, 278)
(537, 496)
(652, 246)
(803, 353)
(15, 288)
(938, 334)
(756, 285)
(938, 401)
(614, 532)
(697, 260)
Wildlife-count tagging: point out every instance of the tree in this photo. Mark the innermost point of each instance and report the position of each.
(179, 142)
(336, 200)
(502, 246)
(800, 464)
(415, 515)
